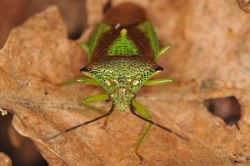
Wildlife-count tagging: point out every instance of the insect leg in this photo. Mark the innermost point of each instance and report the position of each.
(85, 47)
(163, 51)
(88, 81)
(138, 106)
(159, 81)
(96, 98)
(146, 115)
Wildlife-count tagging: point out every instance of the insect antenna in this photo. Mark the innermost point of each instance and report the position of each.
(132, 110)
(83, 124)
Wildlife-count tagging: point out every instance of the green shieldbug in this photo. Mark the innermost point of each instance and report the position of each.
(122, 57)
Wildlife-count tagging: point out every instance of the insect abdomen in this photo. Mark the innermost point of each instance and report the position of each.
(125, 15)
(125, 31)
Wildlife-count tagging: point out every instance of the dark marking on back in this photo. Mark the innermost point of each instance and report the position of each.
(141, 41)
(127, 14)
(104, 43)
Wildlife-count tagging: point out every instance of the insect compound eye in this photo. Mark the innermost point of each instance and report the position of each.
(158, 68)
(85, 70)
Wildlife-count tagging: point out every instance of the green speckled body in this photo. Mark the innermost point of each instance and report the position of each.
(122, 54)
(122, 71)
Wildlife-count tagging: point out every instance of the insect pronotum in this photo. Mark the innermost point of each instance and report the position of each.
(122, 57)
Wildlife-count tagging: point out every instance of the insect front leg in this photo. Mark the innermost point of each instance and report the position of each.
(146, 115)
(96, 98)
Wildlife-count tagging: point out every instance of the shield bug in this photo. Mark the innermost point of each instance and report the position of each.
(122, 57)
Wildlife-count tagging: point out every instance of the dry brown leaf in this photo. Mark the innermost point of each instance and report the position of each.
(210, 58)
(244, 5)
(5, 160)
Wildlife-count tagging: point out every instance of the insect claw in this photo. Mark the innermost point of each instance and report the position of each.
(138, 156)
(105, 123)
